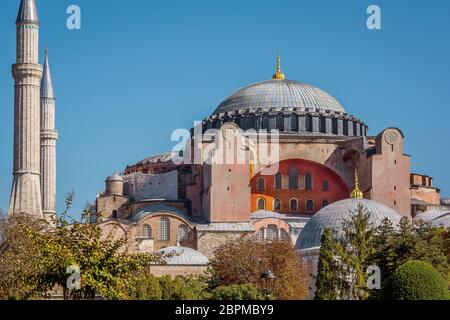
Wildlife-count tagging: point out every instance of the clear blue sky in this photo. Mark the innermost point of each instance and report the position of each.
(139, 69)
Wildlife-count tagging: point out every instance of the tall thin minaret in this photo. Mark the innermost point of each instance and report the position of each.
(27, 73)
(49, 136)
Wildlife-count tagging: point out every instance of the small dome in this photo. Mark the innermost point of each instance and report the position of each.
(280, 95)
(184, 256)
(333, 216)
(435, 217)
(115, 177)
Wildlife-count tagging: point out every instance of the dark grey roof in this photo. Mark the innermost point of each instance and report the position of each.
(157, 209)
(115, 177)
(46, 82)
(27, 11)
(280, 95)
(415, 201)
(333, 216)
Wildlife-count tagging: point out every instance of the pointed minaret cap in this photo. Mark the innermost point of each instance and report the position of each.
(46, 82)
(278, 74)
(27, 12)
(357, 193)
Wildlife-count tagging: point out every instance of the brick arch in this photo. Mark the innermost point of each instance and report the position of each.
(338, 189)
(175, 222)
(264, 223)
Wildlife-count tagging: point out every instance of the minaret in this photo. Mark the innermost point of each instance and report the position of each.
(27, 73)
(49, 136)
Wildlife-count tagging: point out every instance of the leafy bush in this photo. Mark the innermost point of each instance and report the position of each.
(237, 292)
(149, 287)
(416, 280)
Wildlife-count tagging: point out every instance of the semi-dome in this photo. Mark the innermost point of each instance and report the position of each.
(115, 177)
(333, 216)
(280, 95)
(435, 217)
(184, 256)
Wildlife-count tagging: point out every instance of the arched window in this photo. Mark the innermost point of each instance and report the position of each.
(325, 203)
(309, 206)
(325, 185)
(272, 233)
(183, 233)
(114, 214)
(261, 204)
(261, 184)
(284, 236)
(278, 181)
(277, 205)
(293, 205)
(164, 229)
(308, 181)
(260, 235)
(293, 178)
(146, 231)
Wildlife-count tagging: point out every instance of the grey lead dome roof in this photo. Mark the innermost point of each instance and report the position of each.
(333, 216)
(280, 94)
(184, 256)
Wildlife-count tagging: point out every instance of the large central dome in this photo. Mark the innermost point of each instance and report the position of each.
(291, 107)
(280, 95)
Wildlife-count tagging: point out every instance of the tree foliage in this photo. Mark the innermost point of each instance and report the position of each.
(343, 261)
(238, 292)
(416, 280)
(242, 263)
(36, 256)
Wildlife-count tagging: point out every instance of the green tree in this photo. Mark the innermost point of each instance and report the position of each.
(327, 280)
(416, 280)
(37, 256)
(237, 292)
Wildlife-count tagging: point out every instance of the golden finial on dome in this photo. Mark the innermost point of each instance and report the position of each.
(279, 75)
(357, 193)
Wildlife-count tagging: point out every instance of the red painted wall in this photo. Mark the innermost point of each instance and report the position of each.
(337, 187)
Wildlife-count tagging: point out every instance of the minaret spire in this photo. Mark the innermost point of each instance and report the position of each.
(49, 137)
(27, 74)
(27, 12)
(278, 74)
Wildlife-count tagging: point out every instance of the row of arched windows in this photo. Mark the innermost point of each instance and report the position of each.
(293, 204)
(293, 181)
(164, 231)
(272, 233)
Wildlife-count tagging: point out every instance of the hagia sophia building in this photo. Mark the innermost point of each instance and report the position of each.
(278, 160)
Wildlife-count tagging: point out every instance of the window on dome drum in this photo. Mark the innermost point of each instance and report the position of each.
(280, 122)
(293, 205)
(294, 123)
(114, 214)
(308, 181)
(325, 185)
(284, 236)
(277, 205)
(183, 233)
(309, 205)
(261, 204)
(293, 178)
(278, 181)
(272, 233)
(261, 184)
(325, 203)
(164, 229)
(146, 231)
(260, 235)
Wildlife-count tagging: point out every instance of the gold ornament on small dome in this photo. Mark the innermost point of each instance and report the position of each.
(279, 75)
(357, 193)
